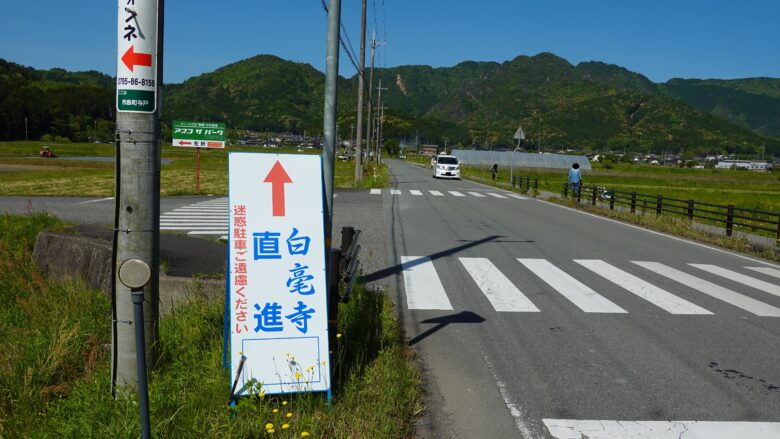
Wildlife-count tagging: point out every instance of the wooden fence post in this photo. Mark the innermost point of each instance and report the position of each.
(690, 209)
(730, 220)
(659, 204)
(633, 202)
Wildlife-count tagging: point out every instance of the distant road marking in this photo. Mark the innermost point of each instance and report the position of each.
(766, 270)
(456, 193)
(96, 201)
(436, 193)
(710, 289)
(657, 296)
(376, 191)
(519, 197)
(493, 194)
(395, 192)
(415, 192)
(180, 214)
(740, 278)
(578, 293)
(476, 194)
(207, 232)
(603, 429)
(190, 227)
(423, 286)
(498, 289)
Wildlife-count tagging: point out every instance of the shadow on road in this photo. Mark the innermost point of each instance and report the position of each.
(441, 322)
(381, 274)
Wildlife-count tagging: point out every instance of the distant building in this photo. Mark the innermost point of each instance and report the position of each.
(429, 150)
(744, 164)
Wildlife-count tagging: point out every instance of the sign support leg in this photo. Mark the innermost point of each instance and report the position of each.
(197, 170)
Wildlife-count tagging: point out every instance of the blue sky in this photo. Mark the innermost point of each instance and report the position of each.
(659, 38)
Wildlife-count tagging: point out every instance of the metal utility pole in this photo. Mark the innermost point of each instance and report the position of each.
(137, 199)
(329, 123)
(361, 87)
(25, 130)
(540, 134)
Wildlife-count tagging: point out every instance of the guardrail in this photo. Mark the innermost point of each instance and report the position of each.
(727, 215)
(519, 180)
(344, 265)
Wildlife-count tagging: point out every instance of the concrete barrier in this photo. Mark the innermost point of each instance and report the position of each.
(65, 257)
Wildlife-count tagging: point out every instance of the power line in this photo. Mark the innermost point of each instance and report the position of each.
(349, 50)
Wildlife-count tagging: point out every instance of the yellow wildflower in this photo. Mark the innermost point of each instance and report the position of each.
(338, 335)
(298, 375)
(289, 415)
(271, 431)
(285, 426)
(275, 410)
(269, 426)
(284, 402)
(304, 434)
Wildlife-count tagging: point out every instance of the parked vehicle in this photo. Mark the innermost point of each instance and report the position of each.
(446, 166)
(46, 152)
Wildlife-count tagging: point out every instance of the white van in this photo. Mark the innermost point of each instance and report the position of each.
(446, 166)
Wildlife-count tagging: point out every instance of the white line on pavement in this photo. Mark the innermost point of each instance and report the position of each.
(436, 193)
(740, 278)
(395, 192)
(476, 194)
(578, 293)
(415, 192)
(766, 270)
(493, 194)
(423, 287)
(657, 296)
(519, 197)
(456, 193)
(97, 201)
(603, 429)
(190, 228)
(732, 297)
(498, 289)
(376, 192)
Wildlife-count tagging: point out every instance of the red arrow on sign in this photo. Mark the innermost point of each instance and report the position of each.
(277, 177)
(181, 142)
(131, 59)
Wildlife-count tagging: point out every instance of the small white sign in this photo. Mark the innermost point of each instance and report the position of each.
(136, 64)
(278, 296)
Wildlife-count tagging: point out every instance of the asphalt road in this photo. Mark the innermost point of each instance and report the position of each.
(534, 320)
(522, 337)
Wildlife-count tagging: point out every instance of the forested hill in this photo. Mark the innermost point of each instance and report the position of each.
(558, 104)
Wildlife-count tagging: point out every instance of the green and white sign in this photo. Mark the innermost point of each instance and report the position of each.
(136, 64)
(199, 134)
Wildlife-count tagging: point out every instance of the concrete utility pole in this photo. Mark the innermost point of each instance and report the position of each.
(329, 124)
(371, 122)
(137, 198)
(380, 111)
(361, 87)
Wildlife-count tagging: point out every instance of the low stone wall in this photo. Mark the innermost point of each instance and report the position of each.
(70, 257)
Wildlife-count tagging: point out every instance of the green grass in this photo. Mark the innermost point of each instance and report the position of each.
(748, 190)
(55, 380)
(57, 177)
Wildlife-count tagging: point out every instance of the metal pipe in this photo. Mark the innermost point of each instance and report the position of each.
(143, 383)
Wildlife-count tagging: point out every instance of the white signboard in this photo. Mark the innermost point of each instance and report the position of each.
(278, 297)
(136, 64)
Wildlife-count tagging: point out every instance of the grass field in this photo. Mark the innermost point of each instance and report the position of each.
(55, 379)
(748, 190)
(22, 173)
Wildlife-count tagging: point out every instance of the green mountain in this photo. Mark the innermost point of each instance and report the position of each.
(57, 103)
(479, 104)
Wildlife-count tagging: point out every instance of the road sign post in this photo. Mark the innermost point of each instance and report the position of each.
(278, 289)
(198, 135)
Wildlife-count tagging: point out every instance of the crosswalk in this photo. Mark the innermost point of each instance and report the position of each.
(425, 290)
(458, 194)
(206, 218)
